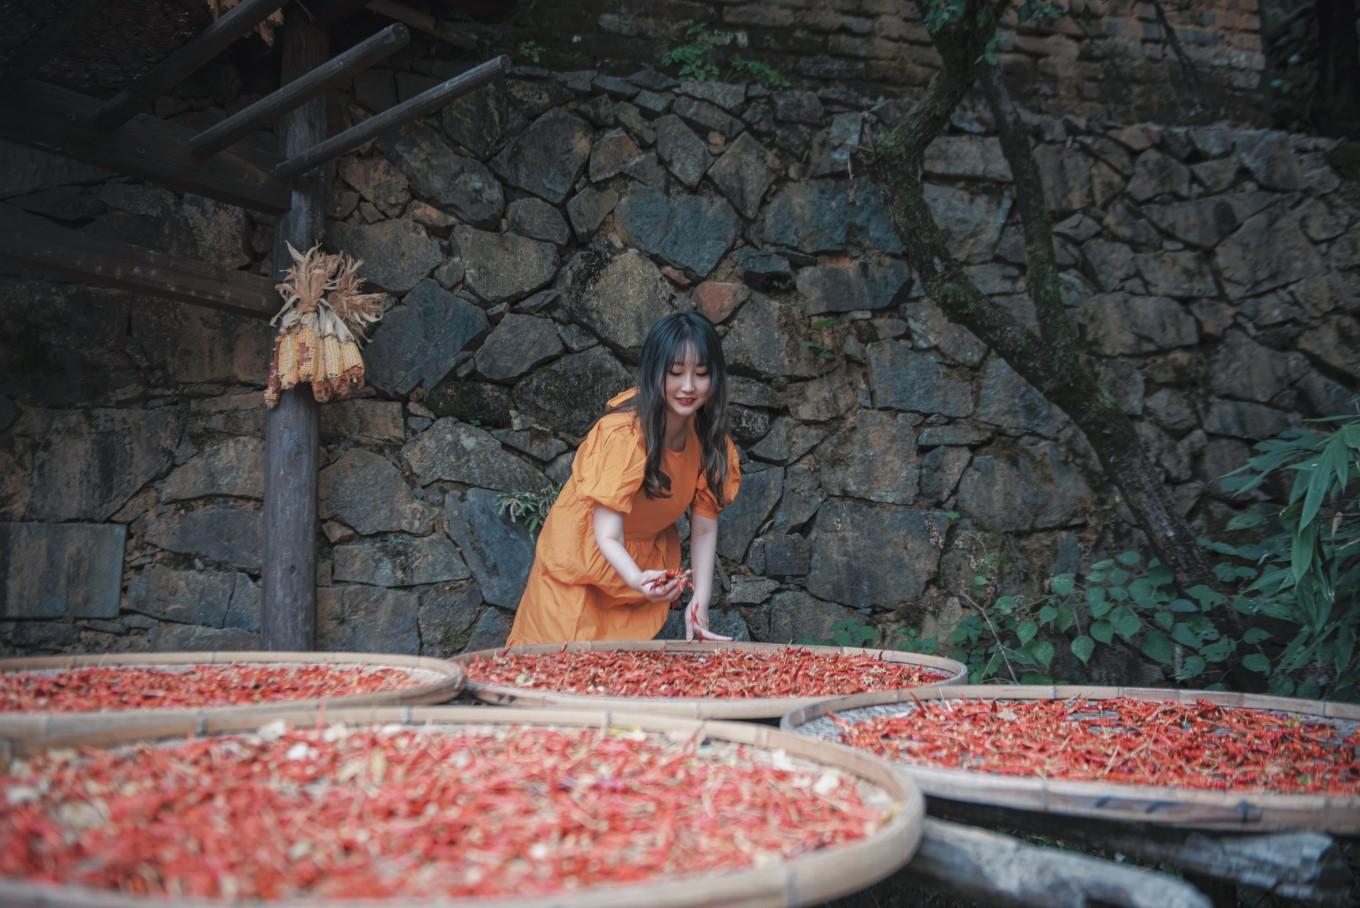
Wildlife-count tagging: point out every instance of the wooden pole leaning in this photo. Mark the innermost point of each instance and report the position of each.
(292, 434)
(188, 59)
(426, 102)
(300, 90)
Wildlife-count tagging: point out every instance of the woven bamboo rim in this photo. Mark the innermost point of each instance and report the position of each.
(1186, 807)
(19, 726)
(807, 879)
(690, 707)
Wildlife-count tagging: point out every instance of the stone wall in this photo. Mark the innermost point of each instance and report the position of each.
(1103, 58)
(527, 238)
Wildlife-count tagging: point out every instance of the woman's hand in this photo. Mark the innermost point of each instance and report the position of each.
(661, 586)
(696, 622)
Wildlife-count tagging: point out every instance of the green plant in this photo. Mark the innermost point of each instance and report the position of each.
(911, 641)
(757, 70)
(1304, 589)
(694, 57)
(530, 50)
(852, 632)
(819, 345)
(531, 507)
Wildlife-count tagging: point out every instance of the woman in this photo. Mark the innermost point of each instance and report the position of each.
(607, 566)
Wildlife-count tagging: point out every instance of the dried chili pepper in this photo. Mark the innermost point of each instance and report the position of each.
(132, 687)
(790, 672)
(399, 812)
(1196, 745)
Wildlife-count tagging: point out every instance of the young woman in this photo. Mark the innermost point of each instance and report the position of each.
(607, 566)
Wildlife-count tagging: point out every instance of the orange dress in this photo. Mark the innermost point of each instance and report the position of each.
(573, 593)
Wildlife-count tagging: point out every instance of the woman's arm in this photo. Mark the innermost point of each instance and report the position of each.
(609, 537)
(703, 547)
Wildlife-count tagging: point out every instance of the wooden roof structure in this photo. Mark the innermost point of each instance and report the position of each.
(78, 79)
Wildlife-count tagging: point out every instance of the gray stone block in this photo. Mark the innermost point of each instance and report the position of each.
(67, 570)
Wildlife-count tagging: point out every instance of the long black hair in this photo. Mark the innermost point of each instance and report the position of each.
(668, 342)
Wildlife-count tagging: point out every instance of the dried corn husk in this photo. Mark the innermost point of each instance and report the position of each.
(321, 324)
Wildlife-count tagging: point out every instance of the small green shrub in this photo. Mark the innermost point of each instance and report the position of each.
(697, 56)
(530, 507)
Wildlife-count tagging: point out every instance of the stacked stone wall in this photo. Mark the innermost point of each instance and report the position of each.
(528, 236)
(1123, 60)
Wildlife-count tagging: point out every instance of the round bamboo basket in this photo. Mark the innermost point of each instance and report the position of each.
(1185, 807)
(444, 682)
(691, 707)
(809, 878)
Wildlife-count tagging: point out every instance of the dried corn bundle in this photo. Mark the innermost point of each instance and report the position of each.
(320, 325)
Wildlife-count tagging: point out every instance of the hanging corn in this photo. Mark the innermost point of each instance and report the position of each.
(320, 326)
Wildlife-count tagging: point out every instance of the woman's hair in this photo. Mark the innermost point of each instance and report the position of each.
(668, 342)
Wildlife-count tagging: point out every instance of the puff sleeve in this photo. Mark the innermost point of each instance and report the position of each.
(705, 504)
(610, 463)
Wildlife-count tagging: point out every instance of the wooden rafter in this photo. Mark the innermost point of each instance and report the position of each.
(214, 39)
(293, 94)
(427, 101)
(58, 120)
(37, 243)
(41, 48)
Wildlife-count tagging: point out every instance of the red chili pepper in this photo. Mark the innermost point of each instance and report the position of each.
(790, 672)
(373, 813)
(131, 687)
(1138, 742)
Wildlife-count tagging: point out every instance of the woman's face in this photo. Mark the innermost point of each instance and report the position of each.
(687, 384)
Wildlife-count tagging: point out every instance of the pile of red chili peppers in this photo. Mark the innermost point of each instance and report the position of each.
(133, 687)
(791, 672)
(399, 812)
(1121, 740)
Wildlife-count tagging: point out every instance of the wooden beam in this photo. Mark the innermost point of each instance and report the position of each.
(58, 120)
(292, 453)
(421, 21)
(995, 869)
(37, 243)
(133, 99)
(39, 50)
(427, 101)
(295, 93)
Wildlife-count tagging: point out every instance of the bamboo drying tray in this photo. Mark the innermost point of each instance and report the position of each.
(445, 683)
(1184, 807)
(807, 879)
(690, 707)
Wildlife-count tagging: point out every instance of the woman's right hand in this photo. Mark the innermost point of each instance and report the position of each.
(660, 586)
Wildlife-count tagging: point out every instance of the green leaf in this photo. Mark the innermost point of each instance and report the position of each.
(1246, 521)
(1184, 636)
(1317, 491)
(1119, 594)
(1095, 577)
(1127, 624)
(1256, 662)
(1066, 618)
(1183, 606)
(1062, 584)
(1026, 631)
(1219, 650)
(1206, 597)
(1102, 631)
(1164, 620)
(1043, 651)
(1128, 558)
(1157, 647)
(1101, 565)
(1083, 647)
(1005, 604)
(1035, 678)
(1047, 614)
(1255, 635)
(1119, 577)
(1192, 667)
(1301, 551)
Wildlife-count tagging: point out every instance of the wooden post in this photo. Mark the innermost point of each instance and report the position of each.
(292, 456)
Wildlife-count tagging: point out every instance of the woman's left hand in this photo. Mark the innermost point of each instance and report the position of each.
(696, 623)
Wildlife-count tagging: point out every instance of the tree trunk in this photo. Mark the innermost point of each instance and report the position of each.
(1051, 361)
(1338, 68)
